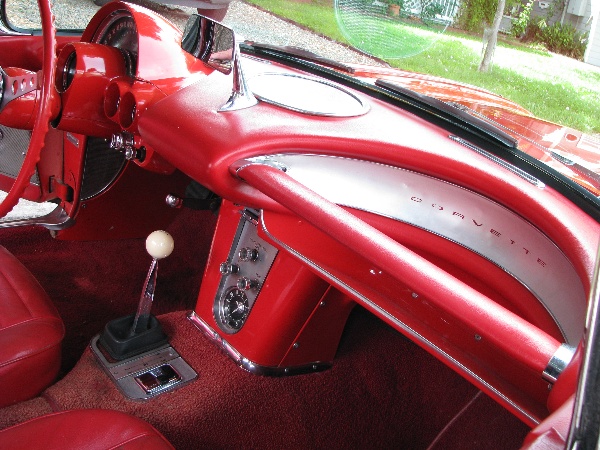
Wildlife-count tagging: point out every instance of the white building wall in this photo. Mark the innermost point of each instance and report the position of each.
(584, 15)
(592, 53)
(578, 13)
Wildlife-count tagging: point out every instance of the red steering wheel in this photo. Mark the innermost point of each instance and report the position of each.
(47, 103)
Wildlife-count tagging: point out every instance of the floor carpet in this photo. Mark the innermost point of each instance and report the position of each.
(382, 392)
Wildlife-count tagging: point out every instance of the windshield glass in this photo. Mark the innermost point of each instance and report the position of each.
(396, 28)
(549, 101)
(69, 14)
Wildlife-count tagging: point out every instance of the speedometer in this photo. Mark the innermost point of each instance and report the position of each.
(119, 30)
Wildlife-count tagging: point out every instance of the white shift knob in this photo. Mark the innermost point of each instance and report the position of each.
(159, 244)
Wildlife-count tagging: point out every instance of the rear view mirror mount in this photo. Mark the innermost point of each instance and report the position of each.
(216, 45)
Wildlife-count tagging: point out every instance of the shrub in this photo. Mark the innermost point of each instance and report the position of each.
(558, 38)
(564, 39)
(430, 10)
(474, 15)
(534, 33)
(523, 20)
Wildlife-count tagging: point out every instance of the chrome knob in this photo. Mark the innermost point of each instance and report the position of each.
(228, 268)
(248, 254)
(173, 201)
(245, 284)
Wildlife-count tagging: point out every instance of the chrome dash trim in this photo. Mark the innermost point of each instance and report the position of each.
(455, 213)
(266, 160)
(6, 31)
(415, 336)
(521, 173)
(306, 95)
(559, 361)
(57, 219)
(247, 364)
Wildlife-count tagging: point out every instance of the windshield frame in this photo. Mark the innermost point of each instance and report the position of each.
(584, 431)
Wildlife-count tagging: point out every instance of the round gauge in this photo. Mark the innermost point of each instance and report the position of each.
(233, 309)
(119, 31)
(65, 77)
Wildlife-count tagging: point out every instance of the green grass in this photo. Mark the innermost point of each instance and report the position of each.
(552, 87)
(317, 15)
(569, 97)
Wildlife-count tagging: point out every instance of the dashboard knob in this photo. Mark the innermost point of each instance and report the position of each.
(245, 284)
(248, 254)
(228, 268)
(173, 201)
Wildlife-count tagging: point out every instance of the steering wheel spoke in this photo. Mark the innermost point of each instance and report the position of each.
(45, 108)
(13, 87)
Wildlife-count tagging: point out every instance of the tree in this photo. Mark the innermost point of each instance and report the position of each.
(491, 38)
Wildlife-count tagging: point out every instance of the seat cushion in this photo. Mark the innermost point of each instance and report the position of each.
(84, 429)
(31, 333)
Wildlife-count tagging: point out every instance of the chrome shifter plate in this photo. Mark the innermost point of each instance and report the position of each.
(130, 375)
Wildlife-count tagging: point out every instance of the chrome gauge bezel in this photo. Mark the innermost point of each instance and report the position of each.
(243, 274)
(233, 318)
(67, 73)
(102, 36)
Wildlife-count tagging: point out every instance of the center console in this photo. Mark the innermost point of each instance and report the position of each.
(269, 312)
(243, 274)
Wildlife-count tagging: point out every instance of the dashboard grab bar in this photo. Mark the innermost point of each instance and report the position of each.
(521, 341)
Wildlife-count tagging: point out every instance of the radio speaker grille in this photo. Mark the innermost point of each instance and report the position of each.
(101, 167)
(13, 147)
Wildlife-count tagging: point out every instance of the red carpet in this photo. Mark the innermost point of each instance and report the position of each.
(382, 392)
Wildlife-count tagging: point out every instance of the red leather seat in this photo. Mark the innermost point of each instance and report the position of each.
(31, 333)
(84, 429)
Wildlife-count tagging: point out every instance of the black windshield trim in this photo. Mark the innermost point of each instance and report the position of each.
(448, 112)
(305, 55)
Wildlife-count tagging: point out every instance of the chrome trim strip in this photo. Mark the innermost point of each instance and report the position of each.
(245, 363)
(72, 139)
(296, 97)
(123, 373)
(15, 87)
(559, 361)
(375, 308)
(460, 215)
(264, 160)
(521, 173)
(4, 31)
(57, 219)
(241, 96)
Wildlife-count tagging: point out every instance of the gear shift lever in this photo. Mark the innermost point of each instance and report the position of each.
(132, 335)
(159, 245)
